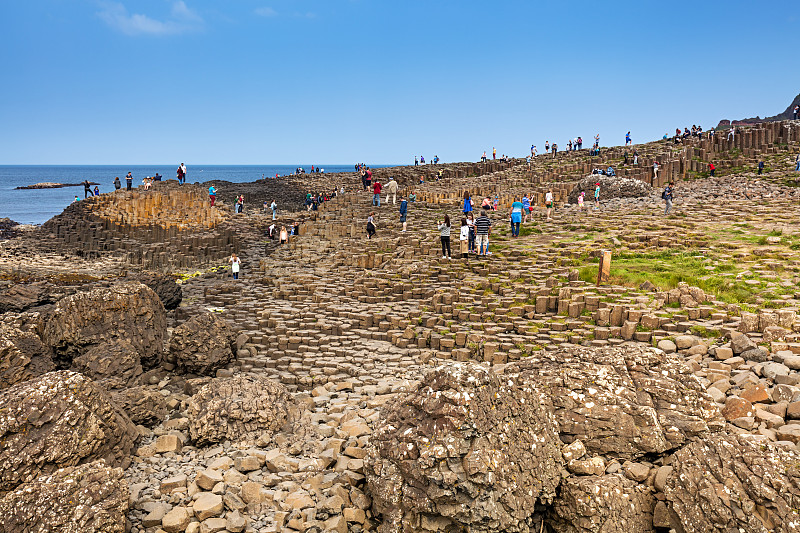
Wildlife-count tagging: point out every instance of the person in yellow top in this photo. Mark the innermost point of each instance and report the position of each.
(494, 153)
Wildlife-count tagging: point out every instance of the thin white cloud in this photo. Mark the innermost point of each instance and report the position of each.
(182, 19)
(265, 12)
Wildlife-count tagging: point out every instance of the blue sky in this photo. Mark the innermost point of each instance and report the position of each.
(340, 81)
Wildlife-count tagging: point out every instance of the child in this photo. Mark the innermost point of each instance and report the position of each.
(580, 201)
(464, 238)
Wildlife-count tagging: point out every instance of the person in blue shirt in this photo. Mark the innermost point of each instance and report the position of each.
(516, 217)
(467, 203)
(212, 195)
(526, 207)
(628, 139)
(403, 212)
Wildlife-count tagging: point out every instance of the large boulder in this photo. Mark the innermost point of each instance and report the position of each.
(241, 408)
(467, 450)
(143, 405)
(164, 286)
(610, 503)
(114, 366)
(56, 420)
(730, 483)
(202, 344)
(23, 356)
(23, 296)
(624, 402)
(128, 312)
(610, 187)
(89, 498)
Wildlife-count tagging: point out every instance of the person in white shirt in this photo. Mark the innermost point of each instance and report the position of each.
(235, 262)
(548, 202)
(463, 238)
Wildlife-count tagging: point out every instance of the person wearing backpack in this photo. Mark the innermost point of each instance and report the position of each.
(760, 167)
(666, 195)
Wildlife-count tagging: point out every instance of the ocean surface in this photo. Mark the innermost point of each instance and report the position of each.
(35, 206)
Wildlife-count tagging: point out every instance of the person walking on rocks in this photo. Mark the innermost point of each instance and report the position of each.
(628, 139)
(635, 157)
(284, 235)
(235, 262)
(416, 161)
(467, 203)
(546, 146)
(129, 181)
(655, 170)
(471, 226)
(368, 175)
(444, 232)
(274, 207)
(371, 225)
(596, 196)
(376, 193)
(548, 202)
(796, 110)
(494, 153)
(483, 228)
(212, 195)
(404, 212)
(580, 201)
(87, 189)
(533, 151)
(526, 207)
(760, 167)
(711, 169)
(667, 197)
(117, 184)
(516, 217)
(391, 189)
(463, 239)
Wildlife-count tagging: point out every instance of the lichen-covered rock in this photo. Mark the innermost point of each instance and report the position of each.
(622, 401)
(466, 450)
(23, 356)
(128, 312)
(90, 498)
(610, 503)
(114, 366)
(727, 483)
(202, 344)
(610, 187)
(241, 408)
(142, 405)
(56, 420)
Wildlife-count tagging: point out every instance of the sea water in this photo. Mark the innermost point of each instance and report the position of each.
(35, 206)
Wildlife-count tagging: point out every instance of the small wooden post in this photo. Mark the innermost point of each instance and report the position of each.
(604, 269)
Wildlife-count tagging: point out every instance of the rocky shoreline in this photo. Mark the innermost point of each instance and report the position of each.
(350, 385)
(50, 185)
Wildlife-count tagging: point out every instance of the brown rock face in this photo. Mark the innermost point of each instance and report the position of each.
(467, 450)
(90, 498)
(240, 408)
(105, 316)
(56, 420)
(202, 344)
(164, 286)
(731, 483)
(609, 504)
(143, 406)
(20, 297)
(114, 366)
(624, 402)
(22, 356)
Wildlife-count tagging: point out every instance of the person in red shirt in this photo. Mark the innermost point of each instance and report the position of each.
(711, 169)
(376, 193)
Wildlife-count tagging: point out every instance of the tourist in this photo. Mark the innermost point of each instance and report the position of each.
(487, 203)
(117, 184)
(436, 160)
(483, 228)
(76, 199)
(235, 262)
(471, 226)
(483, 157)
(516, 217)
(416, 161)
(555, 150)
(240, 204)
(655, 170)
(711, 169)
(179, 174)
(797, 161)
(376, 193)
(494, 153)
(96, 190)
(368, 178)
(526, 207)
(496, 202)
(444, 232)
(274, 207)
(667, 197)
(796, 110)
(597, 142)
(569, 145)
(212, 195)
(625, 156)
(421, 160)
(157, 177)
(371, 225)
(463, 238)
(271, 231)
(580, 201)
(548, 202)
(467, 203)
(732, 133)
(635, 157)
(546, 146)
(596, 196)
(533, 150)
(129, 181)
(403, 212)
(284, 235)
(412, 197)
(146, 182)
(580, 143)
(610, 171)
(391, 190)
(760, 167)
(87, 189)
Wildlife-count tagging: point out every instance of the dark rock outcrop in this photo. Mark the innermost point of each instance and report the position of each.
(113, 366)
(241, 408)
(164, 286)
(202, 344)
(467, 450)
(625, 402)
(610, 187)
(23, 296)
(142, 405)
(602, 504)
(730, 483)
(128, 312)
(56, 420)
(90, 498)
(23, 356)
